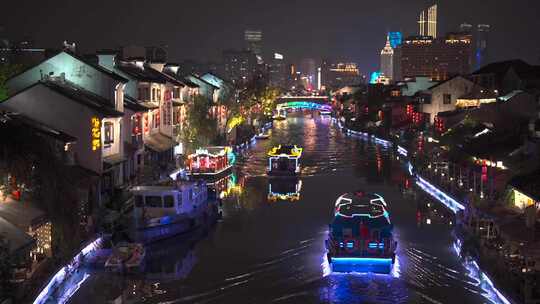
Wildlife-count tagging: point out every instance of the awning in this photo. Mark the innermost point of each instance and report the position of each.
(159, 142)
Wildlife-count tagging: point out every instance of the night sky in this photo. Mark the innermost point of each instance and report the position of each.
(342, 29)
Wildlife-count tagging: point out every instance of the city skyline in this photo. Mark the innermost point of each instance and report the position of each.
(346, 35)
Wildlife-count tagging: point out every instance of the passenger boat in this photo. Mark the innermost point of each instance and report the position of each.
(210, 162)
(284, 160)
(164, 211)
(360, 237)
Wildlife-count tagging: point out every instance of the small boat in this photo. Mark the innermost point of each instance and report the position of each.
(283, 160)
(164, 211)
(360, 237)
(126, 256)
(210, 162)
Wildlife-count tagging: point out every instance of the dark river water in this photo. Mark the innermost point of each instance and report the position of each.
(268, 250)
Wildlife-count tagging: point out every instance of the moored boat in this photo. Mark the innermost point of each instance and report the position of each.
(283, 160)
(360, 237)
(164, 211)
(126, 256)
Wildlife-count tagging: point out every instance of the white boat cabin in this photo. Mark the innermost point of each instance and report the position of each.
(159, 201)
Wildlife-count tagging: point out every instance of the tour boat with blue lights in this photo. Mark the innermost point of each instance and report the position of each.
(360, 237)
(283, 160)
(210, 162)
(164, 211)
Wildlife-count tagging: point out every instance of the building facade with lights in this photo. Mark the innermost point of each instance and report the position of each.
(439, 59)
(387, 60)
(427, 22)
(239, 66)
(445, 95)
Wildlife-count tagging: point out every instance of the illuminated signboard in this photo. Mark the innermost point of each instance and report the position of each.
(96, 133)
(278, 56)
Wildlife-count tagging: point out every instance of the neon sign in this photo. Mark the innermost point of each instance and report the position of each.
(96, 133)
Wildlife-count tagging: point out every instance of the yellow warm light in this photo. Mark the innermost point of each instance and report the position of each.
(96, 133)
(521, 200)
(295, 152)
(234, 122)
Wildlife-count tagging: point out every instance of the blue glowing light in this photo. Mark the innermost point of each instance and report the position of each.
(396, 39)
(442, 197)
(374, 77)
(371, 261)
(304, 105)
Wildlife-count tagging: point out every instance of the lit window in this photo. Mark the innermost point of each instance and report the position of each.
(109, 133)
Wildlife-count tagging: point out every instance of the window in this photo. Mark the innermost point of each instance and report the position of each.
(179, 197)
(168, 201)
(155, 117)
(139, 201)
(153, 201)
(447, 99)
(109, 133)
(176, 93)
(153, 94)
(158, 95)
(143, 94)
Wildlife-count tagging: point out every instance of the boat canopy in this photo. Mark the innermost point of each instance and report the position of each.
(291, 151)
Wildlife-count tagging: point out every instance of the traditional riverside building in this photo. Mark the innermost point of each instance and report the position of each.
(84, 101)
(164, 96)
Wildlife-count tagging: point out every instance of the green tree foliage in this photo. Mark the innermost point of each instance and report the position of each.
(200, 129)
(7, 71)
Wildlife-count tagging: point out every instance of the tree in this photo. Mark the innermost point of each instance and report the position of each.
(6, 72)
(200, 129)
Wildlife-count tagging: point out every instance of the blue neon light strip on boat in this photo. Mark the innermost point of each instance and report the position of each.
(355, 261)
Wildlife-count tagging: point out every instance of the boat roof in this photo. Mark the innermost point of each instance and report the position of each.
(360, 205)
(211, 151)
(177, 186)
(286, 150)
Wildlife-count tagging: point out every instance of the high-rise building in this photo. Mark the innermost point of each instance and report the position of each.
(481, 52)
(239, 66)
(396, 38)
(438, 59)
(387, 60)
(254, 40)
(428, 22)
(338, 75)
(277, 71)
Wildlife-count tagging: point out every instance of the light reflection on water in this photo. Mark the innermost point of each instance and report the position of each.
(267, 250)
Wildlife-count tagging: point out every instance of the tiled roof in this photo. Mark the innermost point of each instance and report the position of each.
(83, 96)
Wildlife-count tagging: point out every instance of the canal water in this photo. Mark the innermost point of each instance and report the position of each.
(269, 246)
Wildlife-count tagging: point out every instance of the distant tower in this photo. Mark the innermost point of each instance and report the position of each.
(427, 22)
(387, 59)
(482, 35)
(254, 40)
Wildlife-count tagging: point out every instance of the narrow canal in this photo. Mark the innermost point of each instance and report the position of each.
(267, 250)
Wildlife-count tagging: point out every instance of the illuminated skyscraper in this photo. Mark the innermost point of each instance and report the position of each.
(387, 59)
(253, 40)
(428, 22)
(481, 56)
(396, 38)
